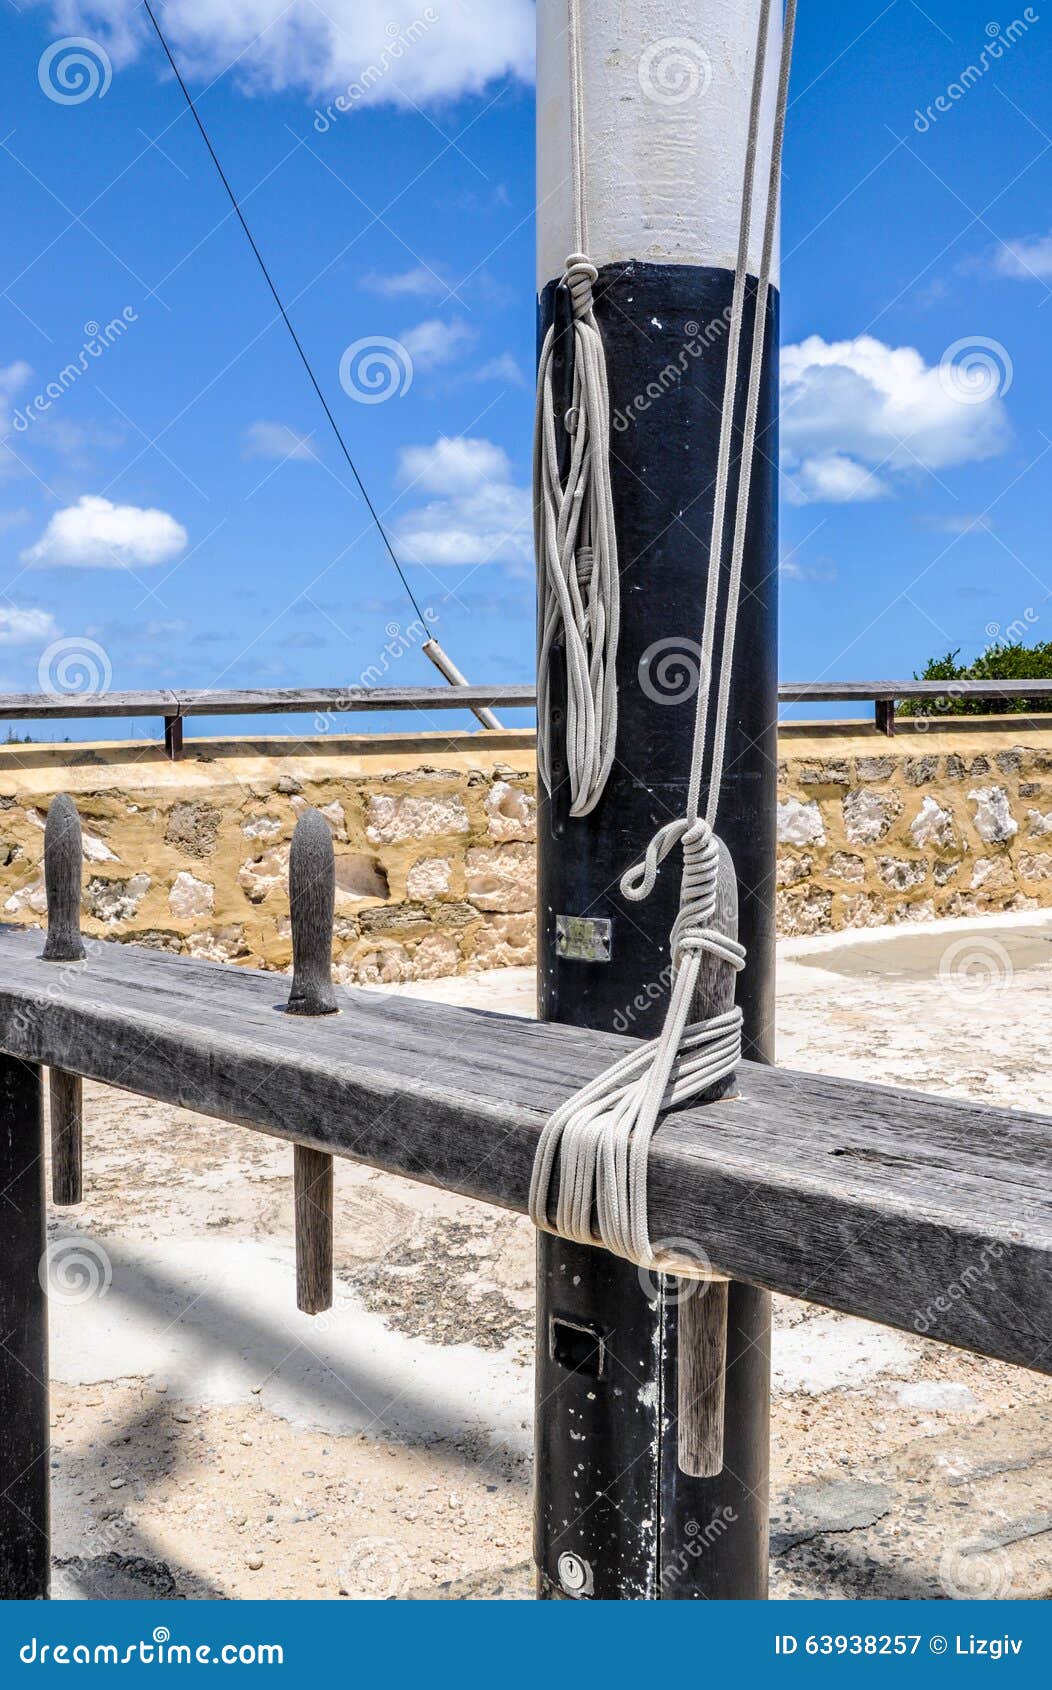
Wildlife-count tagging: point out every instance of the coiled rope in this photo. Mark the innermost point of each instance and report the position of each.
(579, 592)
(601, 1136)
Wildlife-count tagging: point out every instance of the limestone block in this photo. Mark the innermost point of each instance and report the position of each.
(114, 901)
(994, 820)
(868, 815)
(502, 878)
(844, 865)
(395, 817)
(431, 877)
(992, 874)
(190, 897)
(260, 876)
(194, 828)
(860, 909)
(261, 827)
(506, 941)
(791, 870)
(900, 873)
(800, 822)
(932, 825)
(511, 812)
(799, 915)
(29, 897)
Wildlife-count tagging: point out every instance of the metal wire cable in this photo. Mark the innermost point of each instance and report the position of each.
(281, 307)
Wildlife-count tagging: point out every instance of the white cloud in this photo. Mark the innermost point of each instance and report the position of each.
(277, 441)
(1025, 260)
(96, 534)
(857, 415)
(369, 51)
(26, 627)
(418, 283)
(502, 368)
(482, 514)
(434, 342)
(966, 523)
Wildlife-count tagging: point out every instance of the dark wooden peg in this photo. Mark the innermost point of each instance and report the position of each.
(312, 906)
(63, 860)
(703, 1306)
(312, 1178)
(67, 1129)
(312, 903)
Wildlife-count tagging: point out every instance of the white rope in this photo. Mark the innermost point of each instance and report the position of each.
(601, 1136)
(576, 544)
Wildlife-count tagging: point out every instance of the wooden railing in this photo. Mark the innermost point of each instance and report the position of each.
(176, 706)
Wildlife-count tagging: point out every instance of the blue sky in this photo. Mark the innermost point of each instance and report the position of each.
(179, 510)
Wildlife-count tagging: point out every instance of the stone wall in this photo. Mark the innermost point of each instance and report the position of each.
(434, 838)
(950, 823)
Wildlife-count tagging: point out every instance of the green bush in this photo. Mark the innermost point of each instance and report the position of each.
(1011, 662)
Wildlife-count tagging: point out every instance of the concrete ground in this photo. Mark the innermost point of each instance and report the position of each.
(211, 1441)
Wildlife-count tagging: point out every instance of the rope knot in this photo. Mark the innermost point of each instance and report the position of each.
(584, 562)
(580, 277)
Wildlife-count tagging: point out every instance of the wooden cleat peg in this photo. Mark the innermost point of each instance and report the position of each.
(63, 859)
(702, 1306)
(312, 906)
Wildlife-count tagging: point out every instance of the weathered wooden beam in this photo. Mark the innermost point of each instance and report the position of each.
(921, 1212)
(173, 738)
(63, 862)
(312, 905)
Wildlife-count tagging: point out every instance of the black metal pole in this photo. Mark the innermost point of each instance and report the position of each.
(25, 1537)
(615, 1517)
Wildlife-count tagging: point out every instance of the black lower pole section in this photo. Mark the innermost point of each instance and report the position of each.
(25, 1536)
(614, 1516)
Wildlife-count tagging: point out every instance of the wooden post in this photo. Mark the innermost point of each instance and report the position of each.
(63, 859)
(312, 905)
(173, 738)
(665, 124)
(25, 1464)
(884, 711)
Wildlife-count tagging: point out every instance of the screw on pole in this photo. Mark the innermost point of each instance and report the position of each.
(63, 858)
(312, 906)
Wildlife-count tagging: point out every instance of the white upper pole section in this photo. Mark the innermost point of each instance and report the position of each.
(666, 105)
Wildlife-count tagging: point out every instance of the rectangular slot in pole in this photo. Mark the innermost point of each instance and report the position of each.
(702, 1376)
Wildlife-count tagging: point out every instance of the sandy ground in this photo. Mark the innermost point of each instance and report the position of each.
(211, 1441)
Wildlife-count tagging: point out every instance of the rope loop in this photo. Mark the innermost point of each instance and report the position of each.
(580, 277)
